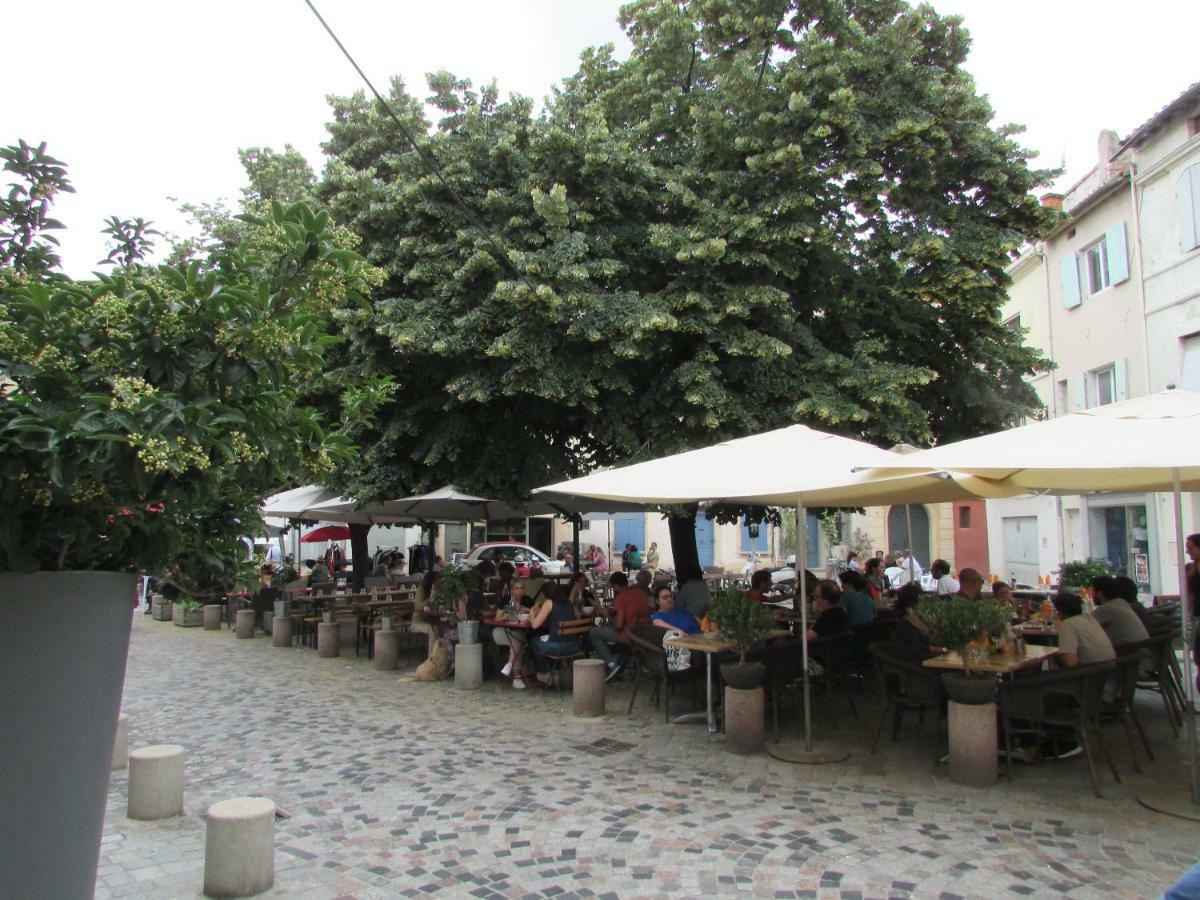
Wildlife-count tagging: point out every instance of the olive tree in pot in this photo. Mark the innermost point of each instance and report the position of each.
(968, 626)
(454, 587)
(742, 622)
(142, 415)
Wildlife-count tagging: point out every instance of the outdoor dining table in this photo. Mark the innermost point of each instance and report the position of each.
(708, 643)
(995, 663)
(1038, 632)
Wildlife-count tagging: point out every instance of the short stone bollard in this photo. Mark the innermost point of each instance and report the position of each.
(239, 847)
(468, 666)
(587, 691)
(212, 617)
(972, 732)
(387, 650)
(245, 623)
(281, 631)
(744, 720)
(121, 744)
(155, 782)
(327, 640)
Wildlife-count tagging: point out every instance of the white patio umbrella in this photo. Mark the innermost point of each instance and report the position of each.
(795, 466)
(1149, 443)
(293, 504)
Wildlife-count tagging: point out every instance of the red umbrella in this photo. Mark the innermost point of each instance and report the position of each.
(327, 533)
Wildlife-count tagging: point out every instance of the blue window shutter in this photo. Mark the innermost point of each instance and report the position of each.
(1121, 379)
(1118, 255)
(1070, 281)
(1188, 197)
(1078, 401)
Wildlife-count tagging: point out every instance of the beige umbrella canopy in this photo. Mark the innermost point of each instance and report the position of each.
(294, 504)
(1135, 445)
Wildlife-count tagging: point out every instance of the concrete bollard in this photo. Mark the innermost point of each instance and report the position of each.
(121, 744)
(155, 782)
(744, 720)
(281, 632)
(245, 623)
(327, 640)
(239, 847)
(387, 650)
(212, 617)
(972, 730)
(468, 666)
(587, 691)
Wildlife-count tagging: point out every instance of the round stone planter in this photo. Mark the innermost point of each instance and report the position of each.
(59, 713)
(743, 677)
(971, 690)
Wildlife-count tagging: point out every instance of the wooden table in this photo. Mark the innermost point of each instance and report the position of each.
(1038, 632)
(996, 663)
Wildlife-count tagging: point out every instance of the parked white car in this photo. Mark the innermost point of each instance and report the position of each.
(499, 551)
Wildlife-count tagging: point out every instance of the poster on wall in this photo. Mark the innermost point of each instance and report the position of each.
(1141, 568)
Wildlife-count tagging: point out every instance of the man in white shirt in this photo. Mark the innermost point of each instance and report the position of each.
(947, 584)
(908, 563)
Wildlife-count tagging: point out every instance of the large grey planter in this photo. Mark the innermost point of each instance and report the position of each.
(59, 710)
(187, 618)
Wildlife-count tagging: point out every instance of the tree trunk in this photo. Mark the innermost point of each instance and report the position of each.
(683, 542)
(360, 555)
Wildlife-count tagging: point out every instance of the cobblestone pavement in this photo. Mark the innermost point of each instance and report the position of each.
(394, 788)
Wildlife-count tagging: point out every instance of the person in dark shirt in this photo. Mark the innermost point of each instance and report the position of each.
(831, 617)
(1127, 590)
(911, 630)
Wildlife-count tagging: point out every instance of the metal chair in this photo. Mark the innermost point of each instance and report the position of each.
(905, 685)
(1130, 660)
(833, 652)
(650, 662)
(1050, 702)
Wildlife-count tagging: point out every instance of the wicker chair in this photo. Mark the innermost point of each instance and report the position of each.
(906, 685)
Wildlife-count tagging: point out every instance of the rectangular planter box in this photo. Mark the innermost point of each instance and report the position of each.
(193, 619)
(160, 609)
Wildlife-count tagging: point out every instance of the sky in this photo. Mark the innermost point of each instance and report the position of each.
(148, 101)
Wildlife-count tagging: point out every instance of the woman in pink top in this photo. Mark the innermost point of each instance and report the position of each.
(599, 562)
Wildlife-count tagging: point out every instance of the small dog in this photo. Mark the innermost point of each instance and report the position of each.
(434, 668)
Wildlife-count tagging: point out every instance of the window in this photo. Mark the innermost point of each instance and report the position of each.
(1104, 387)
(1189, 370)
(964, 517)
(1060, 395)
(1096, 265)
(1188, 198)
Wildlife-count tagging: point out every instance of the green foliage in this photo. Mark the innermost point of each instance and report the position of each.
(148, 412)
(756, 219)
(1080, 572)
(957, 620)
(452, 587)
(741, 621)
(25, 212)
(130, 240)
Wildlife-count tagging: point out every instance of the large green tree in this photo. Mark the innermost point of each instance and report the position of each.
(769, 213)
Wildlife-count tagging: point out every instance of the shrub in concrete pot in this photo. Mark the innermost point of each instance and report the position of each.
(187, 613)
(742, 622)
(161, 609)
(143, 417)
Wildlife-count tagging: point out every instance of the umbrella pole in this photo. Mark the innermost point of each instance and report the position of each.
(1185, 620)
(802, 589)
(575, 567)
(912, 563)
(807, 756)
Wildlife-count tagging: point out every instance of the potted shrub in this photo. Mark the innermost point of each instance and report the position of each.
(1080, 572)
(742, 622)
(143, 416)
(970, 627)
(454, 587)
(188, 613)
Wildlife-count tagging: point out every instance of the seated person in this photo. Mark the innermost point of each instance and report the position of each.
(694, 595)
(1127, 590)
(533, 581)
(876, 584)
(911, 630)
(396, 566)
(831, 618)
(1114, 614)
(947, 584)
(1081, 640)
(579, 593)
(514, 639)
(860, 608)
(1002, 593)
(547, 619)
(629, 608)
(760, 583)
(970, 584)
(667, 616)
(318, 573)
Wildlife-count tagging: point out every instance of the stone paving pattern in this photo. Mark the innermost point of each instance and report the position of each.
(399, 789)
